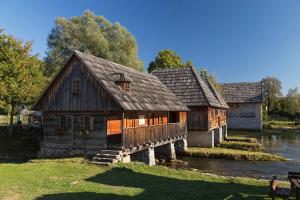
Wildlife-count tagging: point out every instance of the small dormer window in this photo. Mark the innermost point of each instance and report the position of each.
(123, 81)
(126, 86)
(76, 87)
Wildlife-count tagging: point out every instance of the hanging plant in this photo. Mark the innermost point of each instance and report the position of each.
(84, 132)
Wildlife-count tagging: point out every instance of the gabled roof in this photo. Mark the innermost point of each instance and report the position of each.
(146, 92)
(189, 87)
(243, 92)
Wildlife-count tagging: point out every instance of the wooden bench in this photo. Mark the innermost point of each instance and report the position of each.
(294, 178)
(279, 192)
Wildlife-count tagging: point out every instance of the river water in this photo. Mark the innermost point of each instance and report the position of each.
(286, 144)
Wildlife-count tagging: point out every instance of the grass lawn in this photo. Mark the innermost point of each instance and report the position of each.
(75, 179)
(231, 154)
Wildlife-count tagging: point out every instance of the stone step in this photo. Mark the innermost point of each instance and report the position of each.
(111, 160)
(114, 148)
(112, 152)
(101, 163)
(100, 155)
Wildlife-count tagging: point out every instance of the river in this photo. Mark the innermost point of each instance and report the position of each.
(286, 144)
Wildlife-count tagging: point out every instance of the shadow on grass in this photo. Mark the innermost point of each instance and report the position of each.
(159, 187)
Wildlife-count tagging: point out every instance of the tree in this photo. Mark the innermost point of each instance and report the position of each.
(210, 77)
(165, 59)
(91, 34)
(189, 63)
(271, 91)
(293, 101)
(21, 78)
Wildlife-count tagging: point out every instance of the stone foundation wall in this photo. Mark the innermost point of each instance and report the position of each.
(200, 139)
(147, 156)
(54, 150)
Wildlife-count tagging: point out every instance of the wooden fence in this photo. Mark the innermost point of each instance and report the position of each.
(147, 134)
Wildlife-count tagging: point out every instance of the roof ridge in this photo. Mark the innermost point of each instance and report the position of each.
(198, 80)
(112, 62)
(215, 93)
(243, 82)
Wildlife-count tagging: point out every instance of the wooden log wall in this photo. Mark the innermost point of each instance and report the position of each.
(70, 135)
(217, 117)
(91, 97)
(198, 118)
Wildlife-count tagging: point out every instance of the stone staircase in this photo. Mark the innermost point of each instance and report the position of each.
(108, 156)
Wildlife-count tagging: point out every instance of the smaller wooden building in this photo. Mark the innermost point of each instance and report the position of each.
(245, 101)
(94, 104)
(207, 123)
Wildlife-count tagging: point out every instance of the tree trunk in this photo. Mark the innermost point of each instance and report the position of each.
(11, 120)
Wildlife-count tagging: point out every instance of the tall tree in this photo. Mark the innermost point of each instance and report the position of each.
(165, 59)
(92, 34)
(271, 91)
(210, 77)
(21, 78)
(293, 101)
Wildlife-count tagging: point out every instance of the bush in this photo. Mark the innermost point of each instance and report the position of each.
(242, 146)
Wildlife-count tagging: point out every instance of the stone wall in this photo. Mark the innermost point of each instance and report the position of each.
(245, 116)
(200, 139)
(57, 150)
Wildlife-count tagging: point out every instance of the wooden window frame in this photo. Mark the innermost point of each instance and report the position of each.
(62, 122)
(140, 118)
(160, 119)
(76, 87)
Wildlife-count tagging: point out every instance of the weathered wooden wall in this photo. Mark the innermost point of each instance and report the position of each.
(198, 118)
(60, 97)
(217, 117)
(131, 119)
(70, 136)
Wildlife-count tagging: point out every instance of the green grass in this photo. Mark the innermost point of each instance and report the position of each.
(278, 124)
(241, 145)
(241, 139)
(75, 179)
(231, 154)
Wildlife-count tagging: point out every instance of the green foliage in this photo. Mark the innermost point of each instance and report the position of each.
(165, 59)
(210, 77)
(293, 101)
(241, 145)
(21, 78)
(271, 92)
(91, 34)
(231, 154)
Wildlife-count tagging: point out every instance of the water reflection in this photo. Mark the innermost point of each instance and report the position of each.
(286, 144)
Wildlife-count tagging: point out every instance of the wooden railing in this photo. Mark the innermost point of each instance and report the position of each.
(147, 134)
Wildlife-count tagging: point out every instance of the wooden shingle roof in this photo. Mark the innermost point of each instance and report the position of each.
(146, 91)
(189, 87)
(244, 92)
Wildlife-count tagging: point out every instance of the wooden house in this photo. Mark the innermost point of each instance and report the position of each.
(245, 101)
(207, 123)
(93, 104)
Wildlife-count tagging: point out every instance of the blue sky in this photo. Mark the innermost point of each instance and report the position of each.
(237, 40)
